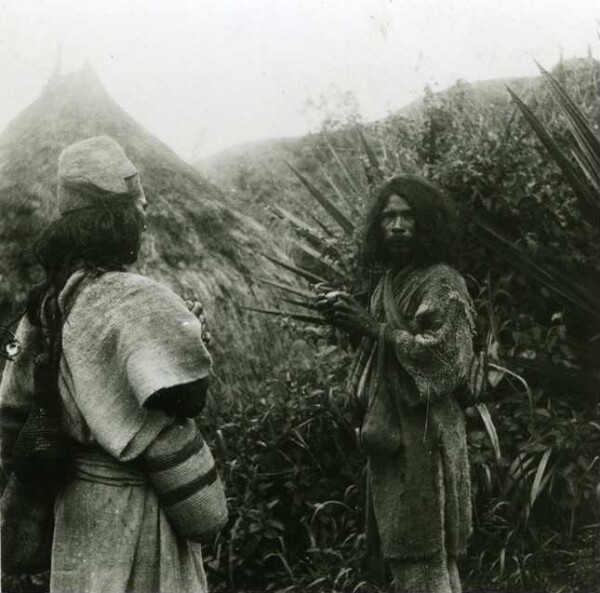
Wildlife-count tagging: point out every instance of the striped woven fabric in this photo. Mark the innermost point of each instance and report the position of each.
(181, 468)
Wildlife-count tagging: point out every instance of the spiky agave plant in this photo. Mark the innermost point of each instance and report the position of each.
(577, 155)
(324, 244)
(343, 191)
(328, 256)
(344, 200)
(579, 163)
(578, 158)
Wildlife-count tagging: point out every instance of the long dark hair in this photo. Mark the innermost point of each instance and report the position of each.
(436, 223)
(96, 239)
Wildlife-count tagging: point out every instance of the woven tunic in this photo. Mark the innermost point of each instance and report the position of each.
(125, 338)
(413, 431)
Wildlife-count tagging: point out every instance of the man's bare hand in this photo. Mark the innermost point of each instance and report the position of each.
(349, 315)
(343, 310)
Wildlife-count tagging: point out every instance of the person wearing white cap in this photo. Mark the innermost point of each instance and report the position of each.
(132, 370)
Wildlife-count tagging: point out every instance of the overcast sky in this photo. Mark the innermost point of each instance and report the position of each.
(203, 75)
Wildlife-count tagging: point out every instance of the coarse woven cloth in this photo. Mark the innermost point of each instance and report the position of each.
(125, 338)
(95, 172)
(183, 473)
(412, 422)
(117, 538)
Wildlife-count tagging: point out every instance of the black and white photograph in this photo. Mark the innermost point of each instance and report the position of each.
(299, 296)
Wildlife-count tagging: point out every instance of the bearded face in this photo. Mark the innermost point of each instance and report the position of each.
(398, 228)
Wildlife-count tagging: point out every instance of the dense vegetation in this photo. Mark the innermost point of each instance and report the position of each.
(293, 469)
(286, 442)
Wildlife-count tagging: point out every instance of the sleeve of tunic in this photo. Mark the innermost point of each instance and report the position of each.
(436, 351)
(126, 338)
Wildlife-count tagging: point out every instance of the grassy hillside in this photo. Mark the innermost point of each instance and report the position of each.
(267, 157)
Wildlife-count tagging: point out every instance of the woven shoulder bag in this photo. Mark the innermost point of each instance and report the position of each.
(40, 464)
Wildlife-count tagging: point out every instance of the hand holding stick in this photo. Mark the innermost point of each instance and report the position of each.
(342, 310)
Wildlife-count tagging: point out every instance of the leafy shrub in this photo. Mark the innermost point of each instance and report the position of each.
(534, 445)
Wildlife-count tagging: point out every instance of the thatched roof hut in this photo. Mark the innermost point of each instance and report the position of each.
(197, 244)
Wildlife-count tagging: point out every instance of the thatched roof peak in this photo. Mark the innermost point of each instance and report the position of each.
(83, 83)
(199, 243)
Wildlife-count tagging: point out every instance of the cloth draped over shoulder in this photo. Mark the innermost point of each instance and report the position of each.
(413, 429)
(125, 338)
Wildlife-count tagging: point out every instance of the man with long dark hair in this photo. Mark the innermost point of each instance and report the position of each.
(132, 372)
(415, 351)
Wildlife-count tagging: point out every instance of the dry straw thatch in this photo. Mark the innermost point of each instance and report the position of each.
(197, 244)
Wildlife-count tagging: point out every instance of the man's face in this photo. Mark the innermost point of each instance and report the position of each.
(398, 227)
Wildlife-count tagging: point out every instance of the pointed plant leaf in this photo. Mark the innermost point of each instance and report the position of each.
(589, 169)
(285, 287)
(566, 291)
(290, 314)
(588, 202)
(580, 126)
(322, 225)
(320, 258)
(308, 234)
(518, 377)
(294, 269)
(342, 167)
(295, 220)
(375, 168)
(336, 190)
(490, 428)
(342, 220)
(303, 304)
(536, 487)
(518, 468)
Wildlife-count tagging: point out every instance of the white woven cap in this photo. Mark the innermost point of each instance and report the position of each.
(97, 162)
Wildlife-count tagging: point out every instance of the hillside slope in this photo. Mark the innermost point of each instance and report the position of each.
(269, 155)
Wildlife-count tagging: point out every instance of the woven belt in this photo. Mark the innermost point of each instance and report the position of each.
(92, 464)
